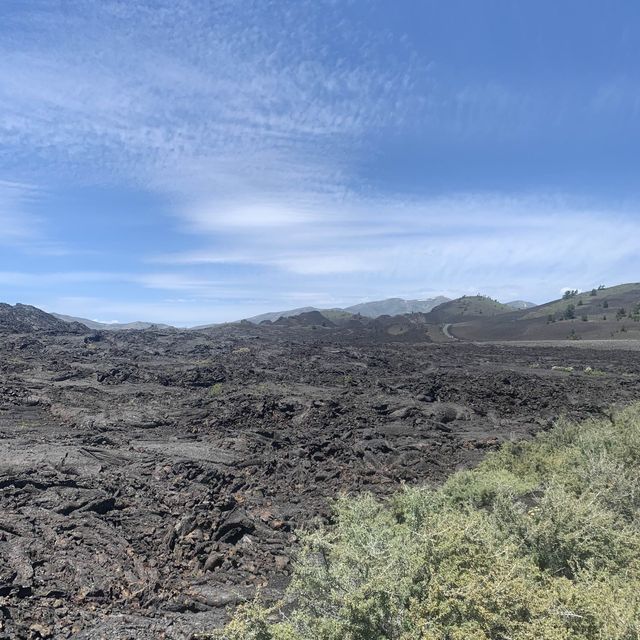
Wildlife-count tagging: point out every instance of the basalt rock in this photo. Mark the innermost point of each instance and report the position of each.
(150, 479)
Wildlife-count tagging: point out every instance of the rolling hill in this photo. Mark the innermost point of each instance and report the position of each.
(465, 308)
(604, 313)
(23, 318)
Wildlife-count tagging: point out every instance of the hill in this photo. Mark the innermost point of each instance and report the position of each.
(465, 308)
(603, 313)
(306, 319)
(23, 318)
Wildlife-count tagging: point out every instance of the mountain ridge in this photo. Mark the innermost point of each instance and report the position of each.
(111, 326)
(372, 309)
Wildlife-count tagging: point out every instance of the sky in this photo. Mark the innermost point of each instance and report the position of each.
(191, 161)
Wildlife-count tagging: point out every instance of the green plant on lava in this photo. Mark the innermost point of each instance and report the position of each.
(541, 540)
(215, 390)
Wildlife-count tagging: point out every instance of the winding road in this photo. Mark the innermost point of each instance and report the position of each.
(445, 330)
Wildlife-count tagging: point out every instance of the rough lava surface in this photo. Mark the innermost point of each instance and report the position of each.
(151, 479)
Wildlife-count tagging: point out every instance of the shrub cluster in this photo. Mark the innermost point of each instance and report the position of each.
(541, 541)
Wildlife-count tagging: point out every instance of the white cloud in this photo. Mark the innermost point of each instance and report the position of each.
(454, 237)
(40, 279)
(16, 224)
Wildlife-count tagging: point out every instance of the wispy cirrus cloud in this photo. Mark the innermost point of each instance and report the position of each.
(454, 244)
(15, 223)
(200, 97)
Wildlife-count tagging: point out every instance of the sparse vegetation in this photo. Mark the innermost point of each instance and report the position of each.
(241, 351)
(215, 389)
(593, 372)
(542, 540)
(570, 293)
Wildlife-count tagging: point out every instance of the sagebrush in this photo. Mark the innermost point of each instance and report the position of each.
(541, 541)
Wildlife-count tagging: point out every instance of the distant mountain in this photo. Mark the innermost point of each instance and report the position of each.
(395, 306)
(374, 309)
(275, 315)
(520, 304)
(23, 318)
(110, 326)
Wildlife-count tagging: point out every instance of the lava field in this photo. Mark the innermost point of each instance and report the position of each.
(149, 480)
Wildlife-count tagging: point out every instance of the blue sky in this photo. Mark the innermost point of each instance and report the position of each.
(198, 161)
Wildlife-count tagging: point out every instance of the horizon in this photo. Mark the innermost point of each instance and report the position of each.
(300, 310)
(191, 163)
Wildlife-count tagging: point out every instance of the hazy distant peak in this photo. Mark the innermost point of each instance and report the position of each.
(373, 309)
(110, 326)
(520, 304)
(395, 306)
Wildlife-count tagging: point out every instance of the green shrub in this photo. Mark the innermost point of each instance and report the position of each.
(541, 541)
(215, 389)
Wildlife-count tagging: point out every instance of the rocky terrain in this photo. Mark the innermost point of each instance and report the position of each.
(149, 479)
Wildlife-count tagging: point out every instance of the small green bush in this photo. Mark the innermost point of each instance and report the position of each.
(215, 389)
(540, 542)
